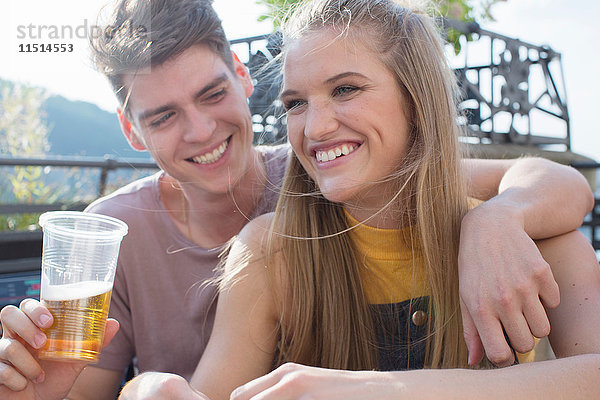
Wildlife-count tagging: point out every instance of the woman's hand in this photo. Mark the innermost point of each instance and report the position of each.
(504, 285)
(294, 381)
(159, 386)
(22, 375)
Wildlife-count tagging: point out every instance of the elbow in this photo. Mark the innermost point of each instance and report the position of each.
(586, 192)
(583, 189)
(579, 187)
(591, 199)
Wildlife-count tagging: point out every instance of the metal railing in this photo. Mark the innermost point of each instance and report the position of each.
(104, 165)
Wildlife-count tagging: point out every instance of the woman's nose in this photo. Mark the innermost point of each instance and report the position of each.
(320, 121)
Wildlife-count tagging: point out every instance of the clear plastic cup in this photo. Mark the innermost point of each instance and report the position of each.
(79, 260)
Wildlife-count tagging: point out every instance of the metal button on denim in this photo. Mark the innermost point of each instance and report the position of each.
(419, 318)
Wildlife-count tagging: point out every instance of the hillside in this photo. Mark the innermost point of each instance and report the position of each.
(80, 128)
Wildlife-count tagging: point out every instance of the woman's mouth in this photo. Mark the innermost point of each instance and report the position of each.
(331, 154)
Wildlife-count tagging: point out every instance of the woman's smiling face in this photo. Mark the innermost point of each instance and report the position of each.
(345, 116)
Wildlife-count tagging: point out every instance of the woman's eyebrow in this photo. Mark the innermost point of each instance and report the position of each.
(345, 75)
(288, 92)
(333, 79)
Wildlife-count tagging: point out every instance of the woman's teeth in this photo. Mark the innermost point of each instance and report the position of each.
(212, 156)
(332, 154)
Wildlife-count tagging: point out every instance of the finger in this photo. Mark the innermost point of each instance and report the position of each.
(11, 378)
(537, 319)
(110, 330)
(518, 332)
(258, 385)
(275, 392)
(251, 389)
(37, 313)
(494, 342)
(16, 324)
(549, 291)
(474, 344)
(21, 363)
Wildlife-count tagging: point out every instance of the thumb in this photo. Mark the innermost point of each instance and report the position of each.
(471, 335)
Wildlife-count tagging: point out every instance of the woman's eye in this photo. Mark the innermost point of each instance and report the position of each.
(345, 89)
(164, 118)
(291, 105)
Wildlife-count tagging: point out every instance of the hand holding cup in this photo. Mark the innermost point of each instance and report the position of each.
(79, 260)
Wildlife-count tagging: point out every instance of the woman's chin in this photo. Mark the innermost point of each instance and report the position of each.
(337, 195)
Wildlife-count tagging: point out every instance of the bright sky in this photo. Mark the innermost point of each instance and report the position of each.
(566, 27)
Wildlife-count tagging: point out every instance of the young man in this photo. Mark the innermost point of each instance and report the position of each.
(184, 99)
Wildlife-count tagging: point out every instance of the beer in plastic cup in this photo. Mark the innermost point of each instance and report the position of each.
(79, 260)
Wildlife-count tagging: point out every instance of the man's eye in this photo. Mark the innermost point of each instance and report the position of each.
(214, 97)
(163, 118)
(345, 89)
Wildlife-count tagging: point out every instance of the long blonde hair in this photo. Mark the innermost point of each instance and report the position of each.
(327, 319)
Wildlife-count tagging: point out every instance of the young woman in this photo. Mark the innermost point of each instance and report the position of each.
(357, 269)
(355, 274)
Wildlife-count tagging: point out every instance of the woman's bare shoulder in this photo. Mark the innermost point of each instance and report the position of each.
(257, 228)
(253, 251)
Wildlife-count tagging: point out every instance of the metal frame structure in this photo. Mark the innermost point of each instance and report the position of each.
(520, 82)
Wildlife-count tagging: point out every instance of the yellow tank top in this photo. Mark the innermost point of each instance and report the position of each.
(391, 271)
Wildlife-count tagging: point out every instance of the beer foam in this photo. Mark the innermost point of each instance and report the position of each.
(73, 291)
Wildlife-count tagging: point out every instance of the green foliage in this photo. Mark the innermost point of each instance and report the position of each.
(23, 133)
(276, 10)
(462, 10)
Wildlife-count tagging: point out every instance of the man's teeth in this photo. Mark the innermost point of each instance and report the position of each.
(212, 156)
(332, 154)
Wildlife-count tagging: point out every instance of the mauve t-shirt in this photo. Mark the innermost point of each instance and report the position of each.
(165, 313)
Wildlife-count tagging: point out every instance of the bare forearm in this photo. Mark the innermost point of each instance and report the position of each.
(568, 378)
(547, 198)
(572, 377)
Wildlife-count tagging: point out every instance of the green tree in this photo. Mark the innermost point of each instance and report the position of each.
(23, 133)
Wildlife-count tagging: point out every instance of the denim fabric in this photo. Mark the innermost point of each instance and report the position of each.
(395, 329)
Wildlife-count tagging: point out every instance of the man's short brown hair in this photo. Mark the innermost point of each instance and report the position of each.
(147, 33)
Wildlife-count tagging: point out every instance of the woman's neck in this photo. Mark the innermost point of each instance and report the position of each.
(386, 212)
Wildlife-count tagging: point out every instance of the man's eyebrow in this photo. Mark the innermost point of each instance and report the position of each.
(214, 83)
(333, 79)
(155, 111)
(165, 107)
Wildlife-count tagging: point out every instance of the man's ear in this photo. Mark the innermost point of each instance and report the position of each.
(243, 74)
(128, 131)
